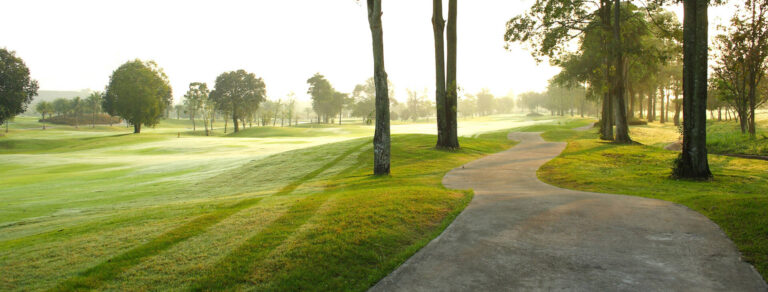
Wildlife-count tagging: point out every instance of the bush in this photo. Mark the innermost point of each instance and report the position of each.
(101, 119)
(636, 122)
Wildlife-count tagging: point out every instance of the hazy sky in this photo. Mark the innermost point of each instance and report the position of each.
(73, 45)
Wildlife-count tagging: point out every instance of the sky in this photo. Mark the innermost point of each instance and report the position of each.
(76, 44)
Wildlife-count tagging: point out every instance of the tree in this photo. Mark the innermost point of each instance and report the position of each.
(446, 94)
(381, 136)
(16, 87)
(44, 108)
(195, 99)
(322, 94)
(692, 162)
(486, 103)
(238, 93)
(138, 92)
(364, 99)
(549, 27)
(77, 109)
(60, 106)
(742, 60)
(93, 101)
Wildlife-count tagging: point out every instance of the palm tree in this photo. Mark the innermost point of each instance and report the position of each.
(77, 108)
(44, 108)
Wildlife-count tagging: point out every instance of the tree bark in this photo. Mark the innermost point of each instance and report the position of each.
(234, 122)
(451, 94)
(620, 108)
(661, 111)
(677, 109)
(692, 162)
(438, 26)
(606, 122)
(651, 110)
(137, 128)
(381, 137)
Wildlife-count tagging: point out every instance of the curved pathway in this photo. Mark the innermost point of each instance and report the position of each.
(519, 233)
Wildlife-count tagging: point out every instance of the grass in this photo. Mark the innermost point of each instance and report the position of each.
(726, 138)
(96, 210)
(736, 199)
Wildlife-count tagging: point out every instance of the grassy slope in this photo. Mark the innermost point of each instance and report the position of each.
(737, 199)
(304, 219)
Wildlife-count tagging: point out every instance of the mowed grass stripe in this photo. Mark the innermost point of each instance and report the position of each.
(236, 266)
(93, 277)
(292, 186)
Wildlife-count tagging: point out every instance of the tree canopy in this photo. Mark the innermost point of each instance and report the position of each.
(138, 92)
(238, 93)
(17, 88)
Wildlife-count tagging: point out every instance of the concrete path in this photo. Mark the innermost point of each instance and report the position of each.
(521, 234)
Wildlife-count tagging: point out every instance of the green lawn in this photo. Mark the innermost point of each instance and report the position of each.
(737, 198)
(91, 210)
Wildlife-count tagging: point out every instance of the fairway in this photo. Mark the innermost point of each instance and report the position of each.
(99, 208)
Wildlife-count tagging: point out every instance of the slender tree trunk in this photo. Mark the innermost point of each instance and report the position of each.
(225, 123)
(651, 110)
(640, 103)
(666, 107)
(631, 113)
(677, 109)
(692, 162)
(752, 106)
(438, 26)
(661, 110)
(620, 108)
(381, 137)
(451, 101)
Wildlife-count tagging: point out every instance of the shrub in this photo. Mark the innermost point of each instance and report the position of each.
(101, 119)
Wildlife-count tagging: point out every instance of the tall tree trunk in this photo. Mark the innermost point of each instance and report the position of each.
(620, 107)
(438, 26)
(666, 107)
(661, 110)
(451, 93)
(606, 122)
(234, 122)
(752, 105)
(640, 103)
(651, 110)
(631, 112)
(677, 109)
(137, 128)
(692, 162)
(381, 137)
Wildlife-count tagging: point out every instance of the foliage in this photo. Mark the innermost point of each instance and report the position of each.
(323, 97)
(138, 92)
(196, 100)
(238, 93)
(741, 61)
(17, 88)
(72, 120)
